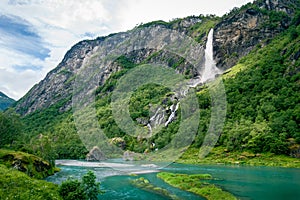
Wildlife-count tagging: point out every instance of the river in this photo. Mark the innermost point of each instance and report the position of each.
(244, 182)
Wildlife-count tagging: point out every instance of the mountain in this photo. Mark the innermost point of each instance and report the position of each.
(236, 34)
(256, 47)
(242, 29)
(5, 101)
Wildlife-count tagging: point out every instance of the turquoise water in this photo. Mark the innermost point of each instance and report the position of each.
(244, 182)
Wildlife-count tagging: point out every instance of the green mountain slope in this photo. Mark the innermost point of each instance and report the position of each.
(263, 99)
(5, 101)
(262, 87)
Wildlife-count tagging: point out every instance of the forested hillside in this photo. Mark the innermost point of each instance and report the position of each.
(262, 98)
(260, 66)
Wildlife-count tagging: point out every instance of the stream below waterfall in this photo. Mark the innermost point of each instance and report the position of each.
(244, 182)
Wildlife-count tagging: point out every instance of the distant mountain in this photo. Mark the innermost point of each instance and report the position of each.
(5, 101)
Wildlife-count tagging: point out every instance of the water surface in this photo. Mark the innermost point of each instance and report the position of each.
(244, 182)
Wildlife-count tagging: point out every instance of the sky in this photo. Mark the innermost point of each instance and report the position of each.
(36, 34)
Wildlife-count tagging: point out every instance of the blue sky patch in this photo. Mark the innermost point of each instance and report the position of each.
(26, 67)
(16, 34)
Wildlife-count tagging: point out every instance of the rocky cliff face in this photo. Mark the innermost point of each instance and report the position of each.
(236, 34)
(242, 29)
(57, 87)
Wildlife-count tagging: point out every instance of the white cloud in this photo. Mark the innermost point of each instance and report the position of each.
(62, 23)
(20, 82)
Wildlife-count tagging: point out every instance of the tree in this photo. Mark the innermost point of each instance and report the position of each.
(45, 149)
(91, 187)
(86, 189)
(10, 127)
(72, 189)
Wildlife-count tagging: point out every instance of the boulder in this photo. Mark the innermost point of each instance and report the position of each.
(130, 156)
(95, 154)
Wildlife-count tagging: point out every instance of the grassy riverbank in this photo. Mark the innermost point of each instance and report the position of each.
(220, 155)
(17, 185)
(195, 183)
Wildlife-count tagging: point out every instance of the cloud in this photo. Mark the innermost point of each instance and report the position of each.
(20, 82)
(22, 55)
(35, 34)
(139, 11)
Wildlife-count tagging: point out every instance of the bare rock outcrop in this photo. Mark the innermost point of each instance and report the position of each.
(95, 154)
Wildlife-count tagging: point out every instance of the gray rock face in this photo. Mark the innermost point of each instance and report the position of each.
(238, 33)
(57, 85)
(95, 154)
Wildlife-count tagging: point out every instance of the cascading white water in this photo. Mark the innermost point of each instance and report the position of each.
(208, 73)
(210, 69)
(173, 113)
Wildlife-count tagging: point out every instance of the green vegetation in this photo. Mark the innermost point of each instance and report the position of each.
(201, 29)
(145, 96)
(10, 127)
(27, 163)
(262, 125)
(17, 185)
(142, 102)
(5, 101)
(221, 155)
(262, 103)
(86, 189)
(146, 185)
(262, 100)
(50, 134)
(194, 183)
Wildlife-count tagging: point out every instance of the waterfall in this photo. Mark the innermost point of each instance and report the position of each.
(208, 73)
(173, 113)
(210, 69)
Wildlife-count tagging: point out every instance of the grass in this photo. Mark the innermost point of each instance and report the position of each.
(231, 72)
(17, 185)
(220, 155)
(194, 183)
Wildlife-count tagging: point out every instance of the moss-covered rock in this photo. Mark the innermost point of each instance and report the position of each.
(32, 165)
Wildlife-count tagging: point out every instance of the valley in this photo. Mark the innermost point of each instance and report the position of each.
(196, 95)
